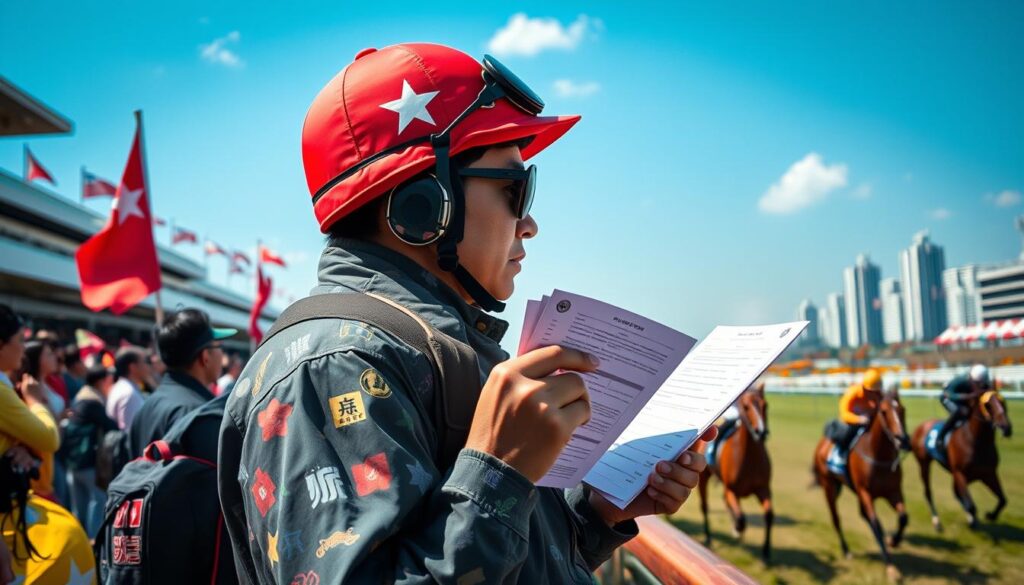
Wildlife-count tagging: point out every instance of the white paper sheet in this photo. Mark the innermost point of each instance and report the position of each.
(637, 355)
(707, 381)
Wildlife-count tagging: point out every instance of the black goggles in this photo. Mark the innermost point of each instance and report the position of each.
(499, 82)
(523, 185)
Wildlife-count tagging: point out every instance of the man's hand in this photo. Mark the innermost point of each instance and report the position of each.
(527, 411)
(22, 459)
(667, 487)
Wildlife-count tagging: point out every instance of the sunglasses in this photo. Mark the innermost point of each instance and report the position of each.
(524, 184)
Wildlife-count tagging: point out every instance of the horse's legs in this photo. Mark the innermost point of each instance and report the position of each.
(831, 488)
(992, 481)
(739, 522)
(702, 487)
(925, 464)
(964, 497)
(901, 510)
(765, 496)
(867, 510)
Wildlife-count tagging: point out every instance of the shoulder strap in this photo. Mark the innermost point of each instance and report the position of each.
(457, 374)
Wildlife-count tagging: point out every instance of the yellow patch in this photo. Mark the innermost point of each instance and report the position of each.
(347, 538)
(272, 549)
(347, 409)
(258, 383)
(374, 385)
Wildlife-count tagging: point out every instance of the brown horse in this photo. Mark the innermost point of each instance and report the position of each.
(743, 466)
(873, 470)
(971, 455)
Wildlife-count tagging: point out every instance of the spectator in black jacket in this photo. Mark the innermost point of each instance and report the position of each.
(191, 350)
(82, 436)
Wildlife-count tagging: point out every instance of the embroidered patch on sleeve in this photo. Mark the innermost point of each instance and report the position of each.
(307, 578)
(374, 385)
(372, 474)
(258, 382)
(274, 419)
(338, 538)
(272, 556)
(263, 492)
(347, 409)
(324, 485)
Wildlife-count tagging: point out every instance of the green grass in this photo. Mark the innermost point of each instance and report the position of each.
(805, 547)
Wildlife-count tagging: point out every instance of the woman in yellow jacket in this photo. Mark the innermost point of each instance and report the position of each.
(44, 542)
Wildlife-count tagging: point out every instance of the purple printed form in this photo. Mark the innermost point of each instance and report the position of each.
(637, 356)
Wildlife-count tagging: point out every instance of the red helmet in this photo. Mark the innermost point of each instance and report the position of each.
(369, 129)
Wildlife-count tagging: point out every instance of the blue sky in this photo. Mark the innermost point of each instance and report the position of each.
(732, 158)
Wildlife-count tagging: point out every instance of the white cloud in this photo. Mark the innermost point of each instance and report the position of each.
(568, 88)
(863, 191)
(940, 214)
(1005, 198)
(806, 182)
(529, 36)
(216, 51)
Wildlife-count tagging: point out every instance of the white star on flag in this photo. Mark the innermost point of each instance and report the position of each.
(127, 205)
(411, 105)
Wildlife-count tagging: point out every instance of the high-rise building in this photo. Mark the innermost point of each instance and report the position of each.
(963, 299)
(924, 304)
(833, 319)
(808, 312)
(1002, 292)
(892, 310)
(863, 306)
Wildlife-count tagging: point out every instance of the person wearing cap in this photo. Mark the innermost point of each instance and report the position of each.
(858, 407)
(957, 397)
(415, 156)
(191, 349)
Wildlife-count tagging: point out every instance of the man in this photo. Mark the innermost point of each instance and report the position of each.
(857, 408)
(125, 397)
(327, 460)
(74, 370)
(232, 368)
(958, 395)
(191, 349)
(85, 428)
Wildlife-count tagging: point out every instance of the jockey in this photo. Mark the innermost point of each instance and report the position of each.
(857, 407)
(958, 394)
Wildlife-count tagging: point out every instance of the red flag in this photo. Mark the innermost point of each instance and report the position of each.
(240, 257)
(212, 248)
(158, 222)
(271, 258)
(93, 186)
(34, 170)
(118, 266)
(235, 267)
(263, 287)
(183, 235)
(88, 343)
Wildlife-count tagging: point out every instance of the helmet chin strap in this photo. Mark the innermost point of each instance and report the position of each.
(447, 246)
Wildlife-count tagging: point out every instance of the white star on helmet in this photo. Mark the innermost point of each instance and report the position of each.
(411, 105)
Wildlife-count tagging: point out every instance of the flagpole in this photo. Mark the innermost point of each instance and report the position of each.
(24, 166)
(81, 192)
(159, 309)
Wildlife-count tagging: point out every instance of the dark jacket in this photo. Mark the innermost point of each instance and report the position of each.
(327, 456)
(177, 395)
(85, 429)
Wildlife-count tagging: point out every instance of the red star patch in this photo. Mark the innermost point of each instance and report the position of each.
(274, 419)
(263, 492)
(372, 474)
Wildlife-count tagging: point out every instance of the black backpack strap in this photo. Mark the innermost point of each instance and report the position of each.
(457, 374)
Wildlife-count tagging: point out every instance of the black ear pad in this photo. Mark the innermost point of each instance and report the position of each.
(419, 211)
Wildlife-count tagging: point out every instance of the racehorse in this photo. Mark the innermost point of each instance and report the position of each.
(970, 455)
(873, 471)
(743, 466)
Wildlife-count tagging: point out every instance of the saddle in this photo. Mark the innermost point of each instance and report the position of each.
(711, 455)
(837, 461)
(939, 452)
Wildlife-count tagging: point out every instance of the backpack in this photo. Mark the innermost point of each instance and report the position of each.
(111, 457)
(162, 522)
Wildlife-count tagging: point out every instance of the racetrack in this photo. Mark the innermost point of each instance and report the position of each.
(805, 547)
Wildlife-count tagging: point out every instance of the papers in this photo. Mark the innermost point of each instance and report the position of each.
(648, 403)
(637, 355)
